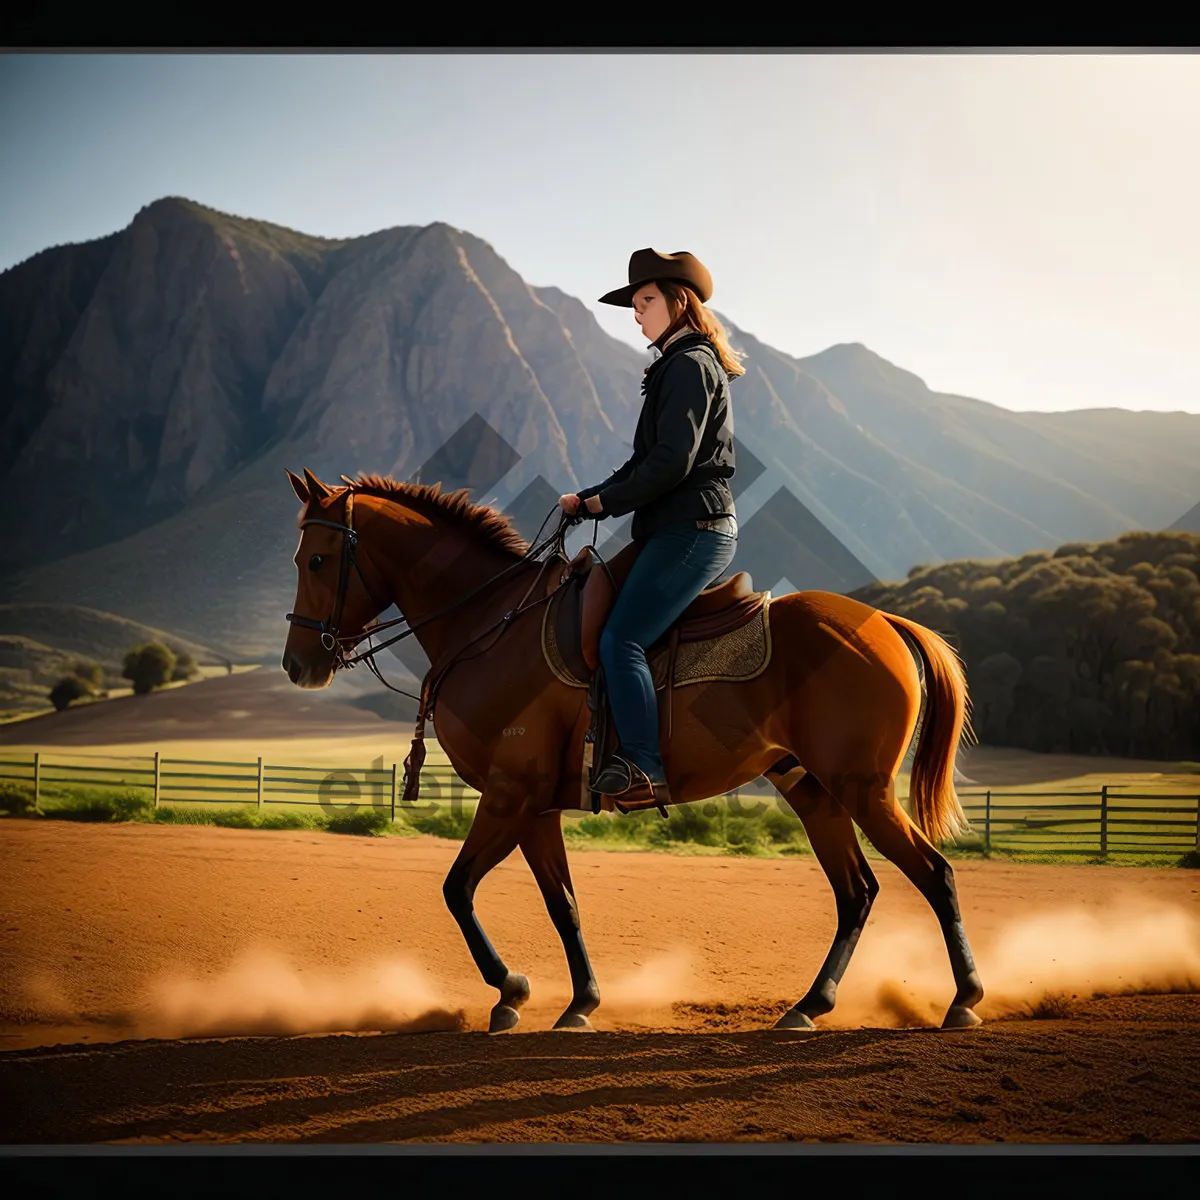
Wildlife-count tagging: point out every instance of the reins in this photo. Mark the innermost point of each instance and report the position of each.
(556, 540)
(331, 639)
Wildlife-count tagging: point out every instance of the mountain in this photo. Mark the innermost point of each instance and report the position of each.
(157, 382)
(904, 475)
(1093, 469)
(1190, 521)
(143, 372)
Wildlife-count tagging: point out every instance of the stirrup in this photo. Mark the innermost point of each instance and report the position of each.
(632, 774)
(646, 792)
(622, 768)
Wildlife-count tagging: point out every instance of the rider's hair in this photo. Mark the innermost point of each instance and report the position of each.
(682, 301)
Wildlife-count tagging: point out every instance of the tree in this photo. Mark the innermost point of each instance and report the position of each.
(1040, 698)
(91, 673)
(185, 666)
(1091, 648)
(149, 665)
(991, 687)
(68, 688)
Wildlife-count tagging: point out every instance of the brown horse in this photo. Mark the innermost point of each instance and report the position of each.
(828, 721)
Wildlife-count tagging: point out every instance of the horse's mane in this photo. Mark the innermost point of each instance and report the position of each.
(476, 519)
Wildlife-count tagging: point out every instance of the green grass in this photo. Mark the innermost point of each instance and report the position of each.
(99, 804)
(16, 799)
(715, 826)
(117, 804)
(451, 822)
(711, 827)
(236, 818)
(371, 822)
(1086, 856)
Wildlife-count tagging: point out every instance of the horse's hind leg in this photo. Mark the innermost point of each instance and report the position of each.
(831, 835)
(544, 851)
(890, 831)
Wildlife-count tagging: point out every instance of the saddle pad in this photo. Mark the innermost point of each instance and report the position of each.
(551, 650)
(741, 654)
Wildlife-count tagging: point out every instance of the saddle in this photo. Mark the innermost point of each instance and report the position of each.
(575, 618)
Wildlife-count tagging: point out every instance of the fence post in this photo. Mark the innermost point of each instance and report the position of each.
(1104, 821)
(393, 792)
(376, 788)
(260, 781)
(157, 768)
(987, 822)
(37, 780)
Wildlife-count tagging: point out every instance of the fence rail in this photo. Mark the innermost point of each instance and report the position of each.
(190, 781)
(1099, 822)
(1171, 820)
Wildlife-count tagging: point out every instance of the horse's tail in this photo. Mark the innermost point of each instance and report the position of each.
(947, 719)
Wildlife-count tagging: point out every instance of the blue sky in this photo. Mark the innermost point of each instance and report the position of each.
(1017, 228)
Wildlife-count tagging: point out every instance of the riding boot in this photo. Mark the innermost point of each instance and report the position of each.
(630, 787)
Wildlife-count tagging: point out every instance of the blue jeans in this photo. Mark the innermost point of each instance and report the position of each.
(673, 567)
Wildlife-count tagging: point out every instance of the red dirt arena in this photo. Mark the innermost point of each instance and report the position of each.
(175, 984)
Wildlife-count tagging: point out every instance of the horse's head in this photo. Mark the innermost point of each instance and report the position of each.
(333, 596)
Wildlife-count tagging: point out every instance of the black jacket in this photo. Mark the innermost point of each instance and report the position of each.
(683, 445)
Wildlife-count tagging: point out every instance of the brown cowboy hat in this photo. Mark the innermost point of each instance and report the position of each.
(645, 266)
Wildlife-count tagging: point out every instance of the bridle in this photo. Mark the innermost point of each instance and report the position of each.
(333, 639)
(328, 630)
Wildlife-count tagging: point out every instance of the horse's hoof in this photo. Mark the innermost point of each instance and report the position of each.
(960, 1017)
(795, 1022)
(575, 1021)
(503, 1017)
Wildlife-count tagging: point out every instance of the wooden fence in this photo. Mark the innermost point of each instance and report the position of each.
(1110, 820)
(188, 781)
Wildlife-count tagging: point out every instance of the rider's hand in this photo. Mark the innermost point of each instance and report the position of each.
(569, 503)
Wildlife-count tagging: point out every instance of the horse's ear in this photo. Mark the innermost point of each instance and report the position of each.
(347, 479)
(316, 489)
(298, 486)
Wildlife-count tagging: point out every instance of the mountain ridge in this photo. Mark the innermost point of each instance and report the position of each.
(164, 375)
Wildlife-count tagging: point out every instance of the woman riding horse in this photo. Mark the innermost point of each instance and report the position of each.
(828, 720)
(676, 484)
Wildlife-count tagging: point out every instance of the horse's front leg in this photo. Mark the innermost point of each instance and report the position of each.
(543, 848)
(498, 826)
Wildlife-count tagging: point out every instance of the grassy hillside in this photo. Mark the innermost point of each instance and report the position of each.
(40, 643)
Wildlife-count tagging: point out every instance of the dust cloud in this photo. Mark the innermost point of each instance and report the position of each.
(1045, 959)
(1037, 964)
(897, 979)
(262, 992)
(651, 986)
(45, 999)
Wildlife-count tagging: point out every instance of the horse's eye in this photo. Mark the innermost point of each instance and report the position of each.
(314, 563)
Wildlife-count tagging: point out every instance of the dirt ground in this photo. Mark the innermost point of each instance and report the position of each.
(175, 983)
